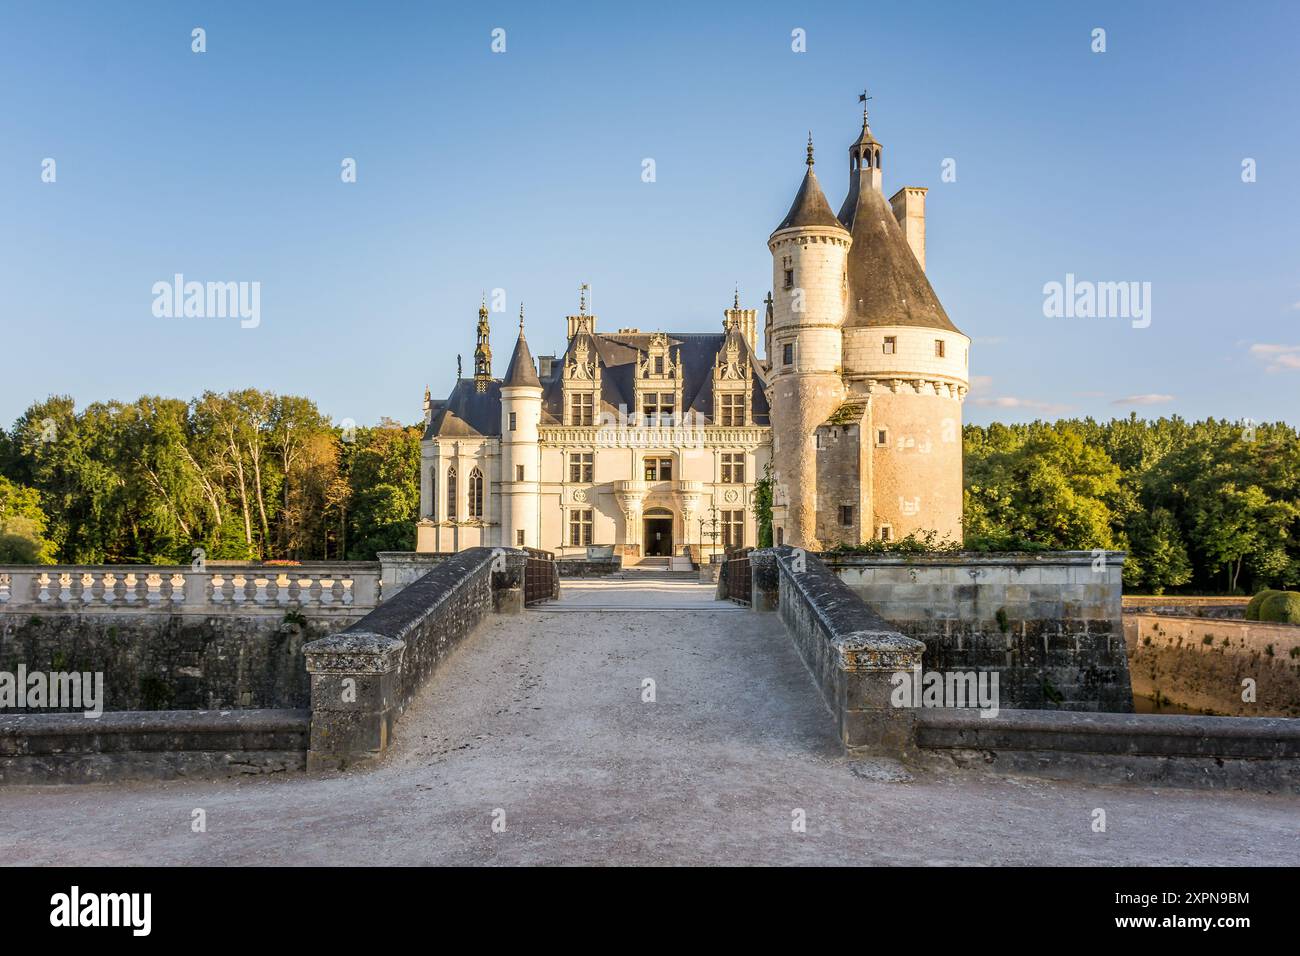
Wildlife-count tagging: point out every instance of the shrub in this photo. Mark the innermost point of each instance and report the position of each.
(1252, 609)
(1281, 608)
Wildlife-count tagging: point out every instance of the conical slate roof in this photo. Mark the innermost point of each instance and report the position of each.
(887, 286)
(810, 207)
(522, 370)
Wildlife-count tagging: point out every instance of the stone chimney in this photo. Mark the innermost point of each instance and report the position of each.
(908, 205)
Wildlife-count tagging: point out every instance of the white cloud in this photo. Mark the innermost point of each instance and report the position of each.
(1011, 401)
(1277, 357)
(1151, 398)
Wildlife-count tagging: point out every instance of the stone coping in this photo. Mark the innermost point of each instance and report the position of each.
(863, 639)
(967, 559)
(1129, 734)
(155, 722)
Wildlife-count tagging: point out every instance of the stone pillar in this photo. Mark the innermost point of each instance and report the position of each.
(508, 581)
(355, 697)
(765, 581)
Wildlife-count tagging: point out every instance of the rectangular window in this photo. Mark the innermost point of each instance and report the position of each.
(789, 278)
(659, 364)
(732, 408)
(891, 345)
(938, 348)
(846, 515)
(580, 527)
(886, 533)
(581, 466)
(657, 408)
(882, 437)
(658, 469)
(581, 411)
(512, 421)
(819, 440)
(787, 354)
(733, 468)
(733, 528)
(519, 538)
(519, 472)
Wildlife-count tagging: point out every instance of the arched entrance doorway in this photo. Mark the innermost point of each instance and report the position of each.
(657, 533)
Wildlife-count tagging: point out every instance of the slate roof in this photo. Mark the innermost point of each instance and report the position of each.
(810, 207)
(887, 286)
(469, 413)
(522, 369)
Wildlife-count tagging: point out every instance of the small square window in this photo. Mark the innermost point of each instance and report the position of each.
(886, 533)
(891, 344)
(846, 515)
(519, 472)
(938, 348)
(787, 354)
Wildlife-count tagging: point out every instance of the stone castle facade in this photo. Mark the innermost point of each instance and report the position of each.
(653, 442)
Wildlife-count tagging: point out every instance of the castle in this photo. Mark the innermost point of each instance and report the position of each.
(653, 442)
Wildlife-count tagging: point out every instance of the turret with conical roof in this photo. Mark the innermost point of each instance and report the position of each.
(809, 251)
(521, 416)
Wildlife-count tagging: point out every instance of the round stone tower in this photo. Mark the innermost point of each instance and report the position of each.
(903, 354)
(809, 253)
(521, 414)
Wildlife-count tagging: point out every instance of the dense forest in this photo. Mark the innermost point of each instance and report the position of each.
(242, 475)
(1210, 506)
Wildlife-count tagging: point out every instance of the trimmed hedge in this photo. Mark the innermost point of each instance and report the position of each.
(1282, 608)
(1252, 609)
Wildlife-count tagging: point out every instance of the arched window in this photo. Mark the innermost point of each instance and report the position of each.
(476, 494)
(451, 492)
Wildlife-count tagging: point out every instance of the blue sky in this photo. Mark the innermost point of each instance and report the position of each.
(522, 171)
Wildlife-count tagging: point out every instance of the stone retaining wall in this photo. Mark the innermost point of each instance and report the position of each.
(1201, 663)
(70, 748)
(1218, 607)
(164, 661)
(1049, 623)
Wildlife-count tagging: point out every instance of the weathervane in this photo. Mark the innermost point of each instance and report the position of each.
(862, 98)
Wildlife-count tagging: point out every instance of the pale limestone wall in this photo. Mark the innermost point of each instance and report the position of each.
(917, 473)
(619, 455)
(864, 355)
(805, 393)
(519, 499)
(466, 453)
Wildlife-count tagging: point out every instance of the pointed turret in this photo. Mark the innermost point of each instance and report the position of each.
(887, 286)
(522, 370)
(810, 207)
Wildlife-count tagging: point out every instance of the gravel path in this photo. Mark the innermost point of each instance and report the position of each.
(541, 717)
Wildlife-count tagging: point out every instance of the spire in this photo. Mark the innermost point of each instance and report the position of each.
(887, 286)
(582, 298)
(735, 304)
(810, 207)
(483, 351)
(522, 370)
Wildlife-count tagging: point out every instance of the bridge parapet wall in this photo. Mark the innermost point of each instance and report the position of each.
(363, 678)
(850, 651)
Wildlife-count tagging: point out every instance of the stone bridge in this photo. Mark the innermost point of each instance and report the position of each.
(638, 719)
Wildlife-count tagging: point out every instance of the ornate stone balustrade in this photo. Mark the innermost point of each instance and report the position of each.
(344, 588)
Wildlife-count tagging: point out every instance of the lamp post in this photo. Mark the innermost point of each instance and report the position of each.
(712, 524)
